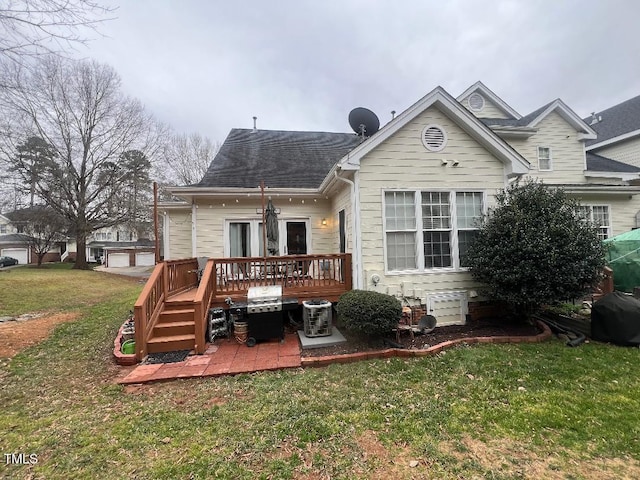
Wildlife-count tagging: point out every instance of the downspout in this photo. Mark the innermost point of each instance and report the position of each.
(355, 222)
(166, 235)
(194, 239)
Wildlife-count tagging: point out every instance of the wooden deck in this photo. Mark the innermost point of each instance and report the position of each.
(173, 292)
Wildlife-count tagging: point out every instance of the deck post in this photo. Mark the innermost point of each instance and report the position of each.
(348, 274)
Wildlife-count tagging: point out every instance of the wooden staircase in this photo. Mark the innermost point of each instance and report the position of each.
(175, 329)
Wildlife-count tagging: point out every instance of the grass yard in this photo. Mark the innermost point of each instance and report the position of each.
(495, 411)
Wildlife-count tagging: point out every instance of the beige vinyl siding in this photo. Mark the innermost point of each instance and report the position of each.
(341, 200)
(179, 235)
(621, 209)
(567, 152)
(627, 151)
(490, 109)
(402, 162)
(211, 217)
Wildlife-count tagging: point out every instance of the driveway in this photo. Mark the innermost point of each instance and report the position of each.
(138, 272)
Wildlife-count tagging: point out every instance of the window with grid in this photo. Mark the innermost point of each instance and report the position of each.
(468, 216)
(400, 217)
(598, 214)
(544, 158)
(436, 225)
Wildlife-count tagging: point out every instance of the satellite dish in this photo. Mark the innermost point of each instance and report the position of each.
(361, 118)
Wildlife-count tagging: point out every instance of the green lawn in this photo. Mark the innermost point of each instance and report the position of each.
(495, 411)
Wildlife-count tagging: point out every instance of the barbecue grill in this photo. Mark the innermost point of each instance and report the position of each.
(264, 312)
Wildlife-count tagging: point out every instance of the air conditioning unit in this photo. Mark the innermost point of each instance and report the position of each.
(317, 318)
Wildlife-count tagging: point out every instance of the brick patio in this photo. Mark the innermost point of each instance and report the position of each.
(224, 357)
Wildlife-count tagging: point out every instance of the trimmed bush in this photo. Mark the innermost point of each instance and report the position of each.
(368, 313)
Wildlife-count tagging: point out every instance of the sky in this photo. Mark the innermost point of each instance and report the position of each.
(208, 66)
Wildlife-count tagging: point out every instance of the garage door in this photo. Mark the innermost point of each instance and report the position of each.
(145, 259)
(117, 260)
(20, 254)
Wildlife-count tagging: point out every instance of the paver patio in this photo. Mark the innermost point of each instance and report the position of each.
(224, 357)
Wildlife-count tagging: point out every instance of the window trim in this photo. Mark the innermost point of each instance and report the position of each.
(609, 213)
(550, 169)
(419, 249)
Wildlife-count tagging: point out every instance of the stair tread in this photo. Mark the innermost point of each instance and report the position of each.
(172, 338)
(178, 310)
(175, 323)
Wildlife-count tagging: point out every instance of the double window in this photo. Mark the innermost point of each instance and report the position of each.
(598, 214)
(428, 230)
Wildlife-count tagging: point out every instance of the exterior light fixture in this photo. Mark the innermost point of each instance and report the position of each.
(324, 222)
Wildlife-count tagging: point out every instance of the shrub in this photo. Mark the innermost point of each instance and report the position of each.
(369, 313)
(536, 248)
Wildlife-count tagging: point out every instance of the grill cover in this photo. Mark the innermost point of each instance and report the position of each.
(616, 318)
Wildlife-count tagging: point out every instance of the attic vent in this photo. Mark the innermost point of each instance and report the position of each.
(434, 138)
(476, 102)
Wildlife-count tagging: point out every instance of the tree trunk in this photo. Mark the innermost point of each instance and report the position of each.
(81, 251)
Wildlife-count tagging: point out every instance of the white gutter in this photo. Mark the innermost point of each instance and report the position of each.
(355, 230)
(194, 229)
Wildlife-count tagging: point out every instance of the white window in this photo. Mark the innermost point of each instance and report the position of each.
(544, 159)
(400, 215)
(445, 226)
(3, 228)
(598, 214)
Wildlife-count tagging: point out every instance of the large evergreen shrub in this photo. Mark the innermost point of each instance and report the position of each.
(536, 248)
(368, 313)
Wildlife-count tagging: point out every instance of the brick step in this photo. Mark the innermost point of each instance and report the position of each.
(177, 315)
(172, 328)
(171, 343)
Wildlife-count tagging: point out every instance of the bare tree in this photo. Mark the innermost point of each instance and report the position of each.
(187, 157)
(35, 27)
(78, 109)
(44, 227)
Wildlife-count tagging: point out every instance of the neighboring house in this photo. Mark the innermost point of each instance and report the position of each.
(119, 246)
(15, 243)
(404, 201)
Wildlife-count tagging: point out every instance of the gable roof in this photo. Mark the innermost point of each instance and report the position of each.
(439, 98)
(532, 119)
(283, 159)
(495, 99)
(598, 163)
(622, 120)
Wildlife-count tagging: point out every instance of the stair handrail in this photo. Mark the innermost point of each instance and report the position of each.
(202, 300)
(148, 307)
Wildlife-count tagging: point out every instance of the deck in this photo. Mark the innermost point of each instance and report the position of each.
(178, 288)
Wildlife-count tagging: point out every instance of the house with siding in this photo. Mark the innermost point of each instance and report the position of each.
(403, 202)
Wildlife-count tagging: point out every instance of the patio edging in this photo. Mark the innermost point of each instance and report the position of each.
(123, 359)
(434, 350)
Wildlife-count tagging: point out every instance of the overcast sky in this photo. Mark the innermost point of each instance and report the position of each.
(209, 66)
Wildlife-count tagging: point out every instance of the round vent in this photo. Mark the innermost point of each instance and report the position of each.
(476, 102)
(434, 138)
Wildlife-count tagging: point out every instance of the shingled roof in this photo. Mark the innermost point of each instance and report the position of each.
(618, 120)
(598, 163)
(283, 159)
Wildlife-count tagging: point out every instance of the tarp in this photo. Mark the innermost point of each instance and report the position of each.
(615, 318)
(623, 257)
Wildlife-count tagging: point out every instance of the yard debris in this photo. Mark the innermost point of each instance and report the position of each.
(413, 463)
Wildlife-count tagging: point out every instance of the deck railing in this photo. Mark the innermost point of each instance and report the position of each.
(294, 272)
(181, 275)
(148, 307)
(202, 300)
